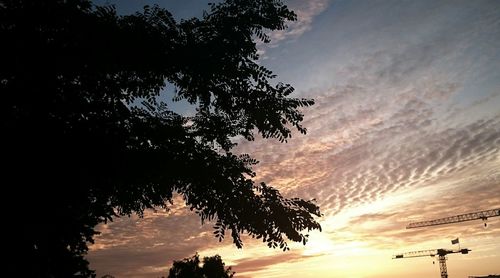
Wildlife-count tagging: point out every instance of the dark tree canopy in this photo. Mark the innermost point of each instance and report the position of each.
(86, 139)
(212, 267)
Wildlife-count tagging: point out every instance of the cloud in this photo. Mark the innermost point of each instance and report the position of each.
(306, 11)
(257, 264)
(390, 127)
(145, 247)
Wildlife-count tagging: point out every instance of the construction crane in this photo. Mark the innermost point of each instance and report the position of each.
(441, 253)
(484, 215)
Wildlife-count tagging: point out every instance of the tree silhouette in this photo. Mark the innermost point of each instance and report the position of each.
(86, 137)
(213, 267)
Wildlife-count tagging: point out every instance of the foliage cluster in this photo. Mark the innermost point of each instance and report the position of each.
(85, 137)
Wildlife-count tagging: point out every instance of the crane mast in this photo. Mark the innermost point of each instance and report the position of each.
(485, 214)
(441, 253)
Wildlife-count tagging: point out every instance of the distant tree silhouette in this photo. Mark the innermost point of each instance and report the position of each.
(85, 137)
(212, 267)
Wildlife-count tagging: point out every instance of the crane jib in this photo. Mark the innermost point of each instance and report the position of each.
(483, 215)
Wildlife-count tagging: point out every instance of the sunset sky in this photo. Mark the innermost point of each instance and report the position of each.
(406, 127)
